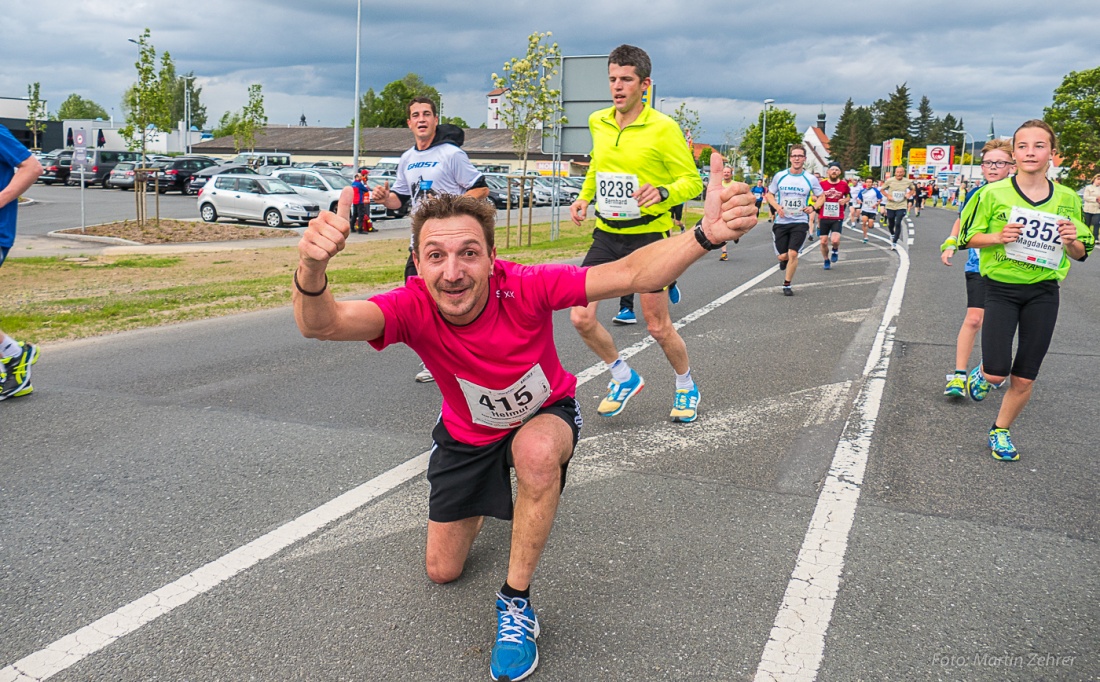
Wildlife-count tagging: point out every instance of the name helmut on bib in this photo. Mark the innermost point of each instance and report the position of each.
(507, 408)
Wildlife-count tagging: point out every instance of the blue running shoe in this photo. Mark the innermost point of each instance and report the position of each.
(618, 394)
(685, 404)
(673, 293)
(625, 316)
(956, 386)
(834, 255)
(1000, 442)
(515, 654)
(976, 385)
(827, 266)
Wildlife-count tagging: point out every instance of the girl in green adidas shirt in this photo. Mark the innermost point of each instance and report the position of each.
(1028, 229)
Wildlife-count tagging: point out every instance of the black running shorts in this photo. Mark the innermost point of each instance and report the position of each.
(469, 480)
(828, 226)
(677, 212)
(975, 290)
(789, 236)
(608, 247)
(1028, 309)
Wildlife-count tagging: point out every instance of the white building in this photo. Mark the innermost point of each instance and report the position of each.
(817, 147)
(492, 119)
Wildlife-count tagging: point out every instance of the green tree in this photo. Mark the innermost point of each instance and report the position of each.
(252, 118)
(1075, 117)
(144, 101)
(529, 106)
(704, 157)
(76, 107)
(781, 133)
(36, 112)
(688, 120)
(227, 124)
(389, 108)
(843, 141)
(892, 115)
(177, 92)
(455, 121)
(921, 126)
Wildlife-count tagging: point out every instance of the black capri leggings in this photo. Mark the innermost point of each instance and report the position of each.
(893, 217)
(1030, 308)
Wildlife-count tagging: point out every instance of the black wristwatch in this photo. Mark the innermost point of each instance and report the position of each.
(701, 237)
(663, 191)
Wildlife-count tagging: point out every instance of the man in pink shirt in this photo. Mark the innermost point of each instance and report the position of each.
(484, 328)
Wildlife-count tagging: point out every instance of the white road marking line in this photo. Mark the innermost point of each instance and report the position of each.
(796, 644)
(70, 649)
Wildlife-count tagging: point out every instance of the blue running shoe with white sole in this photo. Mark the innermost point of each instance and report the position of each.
(686, 404)
(625, 316)
(976, 385)
(834, 256)
(618, 394)
(673, 293)
(515, 653)
(1000, 443)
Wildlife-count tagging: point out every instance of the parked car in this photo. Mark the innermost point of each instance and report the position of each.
(257, 159)
(251, 197)
(99, 165)
(498, 192)
(121, 176)
(175, 174)
(202, 177)
(59, 168)
(47, 161)
(320, 187)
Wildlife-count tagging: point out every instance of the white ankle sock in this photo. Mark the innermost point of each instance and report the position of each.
(684, 381)
(9, 348)
(620, 371)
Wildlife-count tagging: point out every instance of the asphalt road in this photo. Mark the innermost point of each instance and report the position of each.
(148, 457)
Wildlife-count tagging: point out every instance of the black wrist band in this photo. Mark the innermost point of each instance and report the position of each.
(701, 237)
(309, 293)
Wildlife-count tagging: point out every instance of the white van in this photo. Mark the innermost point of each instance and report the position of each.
(387, 165)
(257, 159)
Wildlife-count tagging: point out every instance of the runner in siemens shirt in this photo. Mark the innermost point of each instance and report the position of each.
(1027, 229)
(789, 194)
(836, 197)
(996, 165)
(435, 164)
(868, 197)
(897, 191)
(641, 167)
(758, 191)
(485, 328)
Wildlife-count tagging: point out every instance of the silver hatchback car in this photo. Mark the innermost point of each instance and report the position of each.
(251, 197)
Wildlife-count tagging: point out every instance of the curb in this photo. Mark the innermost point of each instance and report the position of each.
(118, 241)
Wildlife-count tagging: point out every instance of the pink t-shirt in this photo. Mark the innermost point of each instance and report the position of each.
(502, 363)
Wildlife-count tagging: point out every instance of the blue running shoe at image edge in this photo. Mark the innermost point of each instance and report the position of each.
(673, 293)
(625, 316)
(618, 394)
(515, 654)
(976, 385)
(1000, 442)
(685, 404)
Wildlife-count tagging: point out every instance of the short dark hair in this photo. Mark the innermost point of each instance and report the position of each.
(419, 100)
(628, 55)
(443, 206)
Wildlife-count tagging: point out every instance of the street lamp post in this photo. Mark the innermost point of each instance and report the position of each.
(661, 105)
(763, 135)
(187, 113)
(358, 27)
(970, 168)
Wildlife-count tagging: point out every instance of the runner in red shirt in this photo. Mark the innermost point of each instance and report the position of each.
(831, 210)
(484, 327)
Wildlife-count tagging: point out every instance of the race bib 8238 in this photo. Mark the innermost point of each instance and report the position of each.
(614, 195)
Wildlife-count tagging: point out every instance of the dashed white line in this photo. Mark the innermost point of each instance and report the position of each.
(796, 644)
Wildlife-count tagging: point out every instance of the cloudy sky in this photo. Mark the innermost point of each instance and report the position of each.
(976, 59)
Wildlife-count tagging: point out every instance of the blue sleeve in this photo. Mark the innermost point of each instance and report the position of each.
(12, 151)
